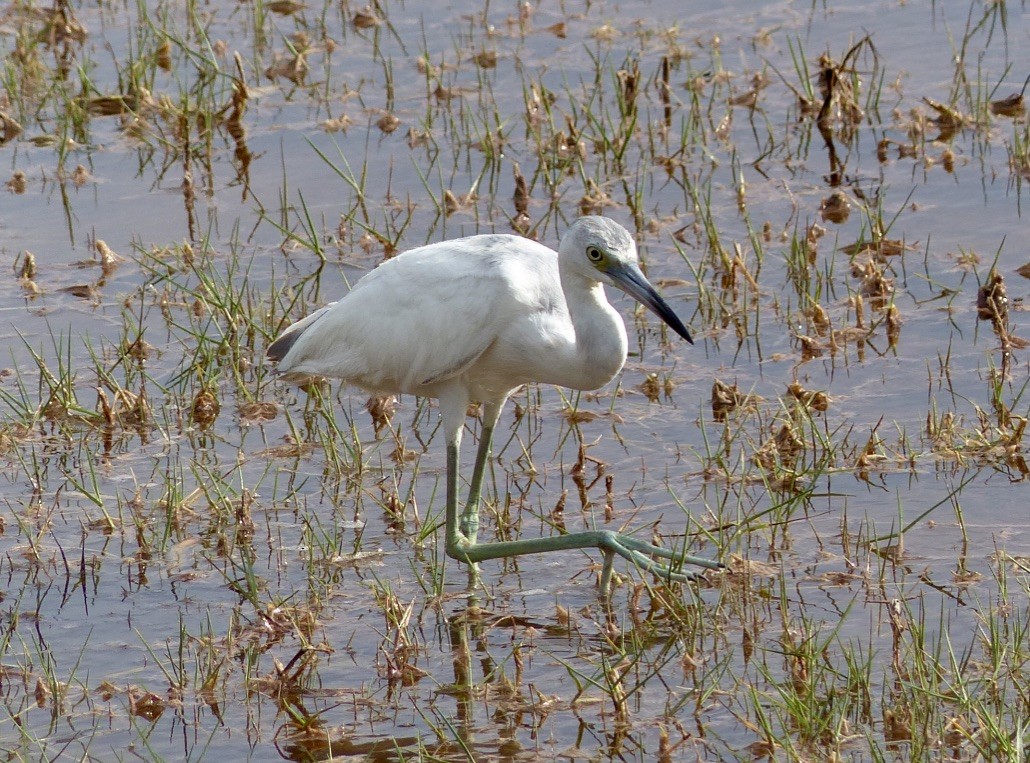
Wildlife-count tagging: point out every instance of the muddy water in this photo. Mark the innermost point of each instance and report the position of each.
(189, 591)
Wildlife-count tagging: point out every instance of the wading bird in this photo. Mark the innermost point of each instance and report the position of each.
(474, 319)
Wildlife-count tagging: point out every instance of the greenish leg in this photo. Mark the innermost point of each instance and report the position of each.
(470, 516)
(462, 531)
(456, 540)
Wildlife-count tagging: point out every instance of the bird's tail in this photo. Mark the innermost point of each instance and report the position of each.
(282, 345)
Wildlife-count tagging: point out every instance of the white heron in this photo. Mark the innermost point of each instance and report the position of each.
(474, 319)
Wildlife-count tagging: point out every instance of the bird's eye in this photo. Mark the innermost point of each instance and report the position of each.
(594, 254)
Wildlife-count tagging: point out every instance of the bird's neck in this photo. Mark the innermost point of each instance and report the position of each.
(600, 346)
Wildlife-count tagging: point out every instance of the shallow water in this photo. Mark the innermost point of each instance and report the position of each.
(263, 588)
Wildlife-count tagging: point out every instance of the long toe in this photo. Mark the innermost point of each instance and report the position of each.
(642, 555)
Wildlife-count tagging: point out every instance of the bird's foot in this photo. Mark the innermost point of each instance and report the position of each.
(645, 556)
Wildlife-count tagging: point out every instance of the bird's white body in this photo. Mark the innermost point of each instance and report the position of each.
(472, 320)
(486, 313)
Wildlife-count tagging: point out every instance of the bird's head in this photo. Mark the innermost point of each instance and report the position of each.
(600, 249)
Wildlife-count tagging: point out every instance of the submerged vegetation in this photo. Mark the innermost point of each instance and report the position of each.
(197, 560)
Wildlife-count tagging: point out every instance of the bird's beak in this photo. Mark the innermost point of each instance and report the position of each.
(635, 283)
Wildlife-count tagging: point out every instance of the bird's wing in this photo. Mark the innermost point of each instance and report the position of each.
(419, 319)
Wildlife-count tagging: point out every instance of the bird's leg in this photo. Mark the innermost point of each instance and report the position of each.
(462, 530)
(470, 516)
(456, 541)
(454, 537)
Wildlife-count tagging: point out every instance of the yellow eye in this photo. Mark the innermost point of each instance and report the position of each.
(594, 254)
